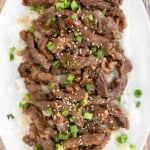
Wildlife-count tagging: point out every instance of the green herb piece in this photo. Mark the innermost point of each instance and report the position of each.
(52, 86)
(51, 46)
(38, 9)
(39, 68)
(65, 113)
(23, 105)
(103, 13)
(60, 6)
(71, 120)
(84, 102)
(10, 116)
(70, 78)
(37, 147)
(79, 39)
(94, 49)
(74, 16)
(119, 99)
(54, 19)
(59, 147)
(132, 147)
(138, 104)
(122, 138)
(88, 88)
(27, 97)
(74, 130)
(100, 54)
(62, 137)
(32, 30)
(11, 53)
(88, 116)
(48, 22)
(92, 19)
(67, 3)
(56, 64)
(137, 93)
(48, 112)
(74, 5)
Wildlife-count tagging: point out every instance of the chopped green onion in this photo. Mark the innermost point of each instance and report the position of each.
(32, 30)
(74, 5)
(100, 54)
(74, 130)
(62, 137)
(59, 147)
(92, 19)
(76, 33)
(122, 138)
(67, 3)
(103, 13)
(56, 64)
(71, 119)
(37, 147)
(38, 9)
(52, 86)
(137, 93)
(138, 104)
(70, 78)
(88, 116)
(48, 23)
(79, 39)
(54, 19)
(74, 16)
(39, 68)
(65, 113)
(88, 88)
(23, 105)
(83, 102)
(48, 112)
(119, 99)
(132, 147)
(51, 46)
(11, 53)
(10, 116)
(94, 49)
(60, 6)
(27, 97)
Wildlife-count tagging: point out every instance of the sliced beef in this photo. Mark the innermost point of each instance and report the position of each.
(74, 65)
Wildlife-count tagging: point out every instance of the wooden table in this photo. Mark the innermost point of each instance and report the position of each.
(147, 6)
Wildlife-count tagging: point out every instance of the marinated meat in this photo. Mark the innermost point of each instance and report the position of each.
(73, 71)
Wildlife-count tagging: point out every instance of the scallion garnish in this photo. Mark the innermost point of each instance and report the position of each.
(10, 116)
(37, 147)
(70, 78)
(74, 5)
(27, 97)
(61, 137)
(74, 130)
(48, 112)
(65, 113)
(122, 138)
(132, 147)
(38, 9)
(51, 46)
(32, 30)
(56, 64)
(88, 116)
(137, 93)
(100, 54)
(11, 53)
(59, 147)
(138, 104)
(88, 88)
(23, 105)
(74, 16)
(83, 102)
